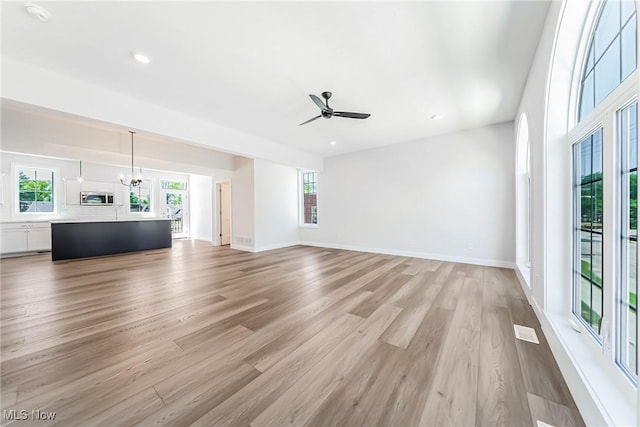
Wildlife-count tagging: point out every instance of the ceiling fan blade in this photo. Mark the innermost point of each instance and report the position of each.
(310, 120)
(318, 102)
(351, 115)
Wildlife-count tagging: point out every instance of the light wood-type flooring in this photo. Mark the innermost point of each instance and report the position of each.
(210, 336)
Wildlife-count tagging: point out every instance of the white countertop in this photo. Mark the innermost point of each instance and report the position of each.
(62, 221)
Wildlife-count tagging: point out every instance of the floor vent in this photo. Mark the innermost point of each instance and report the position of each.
(526, 334)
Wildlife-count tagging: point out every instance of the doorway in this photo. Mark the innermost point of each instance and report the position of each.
(174, 203)
(223, 196)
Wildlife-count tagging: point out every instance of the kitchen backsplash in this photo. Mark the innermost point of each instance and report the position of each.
(94, 212)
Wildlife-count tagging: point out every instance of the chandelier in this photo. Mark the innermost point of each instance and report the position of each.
(135, 180)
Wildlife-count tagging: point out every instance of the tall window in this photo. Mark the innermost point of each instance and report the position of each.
(588, 215)
(523, 188)
(309, 197)
(35, 190)
(140, 197)
(608, 103)
(628, 284)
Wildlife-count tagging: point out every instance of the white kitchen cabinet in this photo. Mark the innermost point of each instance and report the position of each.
(39, 239)
(72, 190)
(13, 241)
(25, 237)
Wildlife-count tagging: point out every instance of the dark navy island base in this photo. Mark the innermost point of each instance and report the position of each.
(86, 239)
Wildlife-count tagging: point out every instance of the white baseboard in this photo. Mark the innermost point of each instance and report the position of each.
(524, 283)
(411, 254)
(242, 247)
(276, 246)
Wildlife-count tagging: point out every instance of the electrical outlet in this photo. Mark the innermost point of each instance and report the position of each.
(470, 246)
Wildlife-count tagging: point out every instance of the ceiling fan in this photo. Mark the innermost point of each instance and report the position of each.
(327, 112)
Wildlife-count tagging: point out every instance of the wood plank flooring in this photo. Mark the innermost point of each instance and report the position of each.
(209, 336)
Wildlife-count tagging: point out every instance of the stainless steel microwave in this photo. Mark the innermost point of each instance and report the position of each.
(96, 198)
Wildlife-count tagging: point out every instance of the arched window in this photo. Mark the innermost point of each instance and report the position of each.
(523, 198)
(605, 227)
(611, 56)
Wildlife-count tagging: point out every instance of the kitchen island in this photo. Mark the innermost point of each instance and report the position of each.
(81, 239)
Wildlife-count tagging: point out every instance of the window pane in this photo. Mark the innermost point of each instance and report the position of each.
(587, 101)
(590, 60)
(596, 205)
(585, 300)
(26, 180)
(631, 129)
(608, 26)
(596, 150)
(173, 185)
(627, 293)
(585, 254)
(584, 166)
(632, 208)
(140, 197)
(608, 72)
(596, 259)
(596, 307)
(588, 229)
(586, 208)
(628, 48)
(628, 7)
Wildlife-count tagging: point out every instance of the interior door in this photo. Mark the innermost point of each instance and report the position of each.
(225, 213)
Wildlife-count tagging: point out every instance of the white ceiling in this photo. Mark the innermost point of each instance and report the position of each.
(251, 65)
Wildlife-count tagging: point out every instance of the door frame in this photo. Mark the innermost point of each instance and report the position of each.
(186, 211)
(217, 217)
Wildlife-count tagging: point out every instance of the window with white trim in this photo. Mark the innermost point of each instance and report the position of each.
(35, 192)
(523, 197)
(140, 197)
(309, 202)
(612, 54)
(627, 295)
(588, 217)
(605, 188)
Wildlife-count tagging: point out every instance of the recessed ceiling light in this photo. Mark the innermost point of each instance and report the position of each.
(437, 116)
(140, 57)
(38, 12)
(332, 143)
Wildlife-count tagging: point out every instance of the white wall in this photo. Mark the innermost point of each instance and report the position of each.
(533, 104)
(276, 205)
(202, 211)
(448, 197)
(243, 205)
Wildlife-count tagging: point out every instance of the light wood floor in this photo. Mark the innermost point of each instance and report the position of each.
(206, 336)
